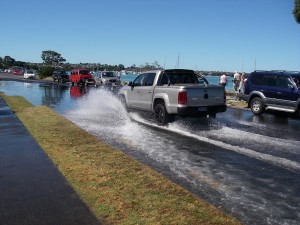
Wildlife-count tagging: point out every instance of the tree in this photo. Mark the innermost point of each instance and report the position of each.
(1, 63)
(296, 11)
(121, 67)
(45, 71)
(52, 58)
(8, 61)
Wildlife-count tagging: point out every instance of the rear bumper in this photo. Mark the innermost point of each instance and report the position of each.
(201, 111)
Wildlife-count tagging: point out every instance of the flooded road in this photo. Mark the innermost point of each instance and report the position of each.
(248, 166)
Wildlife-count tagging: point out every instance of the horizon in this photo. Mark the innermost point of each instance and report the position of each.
(217, 35)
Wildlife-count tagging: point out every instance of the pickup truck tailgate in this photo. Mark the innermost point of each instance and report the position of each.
(209, 95)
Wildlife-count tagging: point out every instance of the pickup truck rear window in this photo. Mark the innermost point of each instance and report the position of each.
(179, 78)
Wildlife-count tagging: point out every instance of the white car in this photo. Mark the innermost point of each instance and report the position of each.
(106, 78)
(29, 74)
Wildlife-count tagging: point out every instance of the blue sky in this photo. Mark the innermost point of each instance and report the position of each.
(220, 35)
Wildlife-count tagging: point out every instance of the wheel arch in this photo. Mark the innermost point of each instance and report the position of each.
(162, 97)
(123, 95)
(255, 95)
(157, 101)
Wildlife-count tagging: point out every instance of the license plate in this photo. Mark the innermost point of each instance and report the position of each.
(202, 109)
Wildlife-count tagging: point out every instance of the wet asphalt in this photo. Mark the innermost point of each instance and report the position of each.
(32, 190)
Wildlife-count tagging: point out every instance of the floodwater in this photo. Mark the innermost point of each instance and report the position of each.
(248, 166)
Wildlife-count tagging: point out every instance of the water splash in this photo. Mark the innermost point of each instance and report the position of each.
(191, 149)
(102, 113)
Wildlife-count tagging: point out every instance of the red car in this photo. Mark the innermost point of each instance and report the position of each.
(17, 72)
(81, 76)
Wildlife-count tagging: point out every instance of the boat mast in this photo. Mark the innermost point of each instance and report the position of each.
(177, 63)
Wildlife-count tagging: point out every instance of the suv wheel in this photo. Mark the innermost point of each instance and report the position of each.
(257, 106)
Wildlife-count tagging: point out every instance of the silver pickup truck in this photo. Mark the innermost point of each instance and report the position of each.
(175, 92)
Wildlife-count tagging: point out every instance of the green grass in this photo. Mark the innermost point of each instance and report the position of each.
(118, 189)
(239, 104)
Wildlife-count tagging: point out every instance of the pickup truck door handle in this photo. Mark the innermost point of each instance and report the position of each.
(279, 93)
(149, 91)
(138, 91)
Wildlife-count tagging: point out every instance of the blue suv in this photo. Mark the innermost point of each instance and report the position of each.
(274, 90)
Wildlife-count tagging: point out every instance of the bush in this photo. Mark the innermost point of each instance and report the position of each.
(45, 72)
(296, 11)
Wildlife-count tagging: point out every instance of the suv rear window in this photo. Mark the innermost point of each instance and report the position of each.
(263, 80)
(257, 79)
(269, 80)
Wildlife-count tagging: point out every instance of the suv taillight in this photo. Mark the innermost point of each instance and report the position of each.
(182, 98)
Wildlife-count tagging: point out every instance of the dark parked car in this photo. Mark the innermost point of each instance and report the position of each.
(60, 76)
(274, 90)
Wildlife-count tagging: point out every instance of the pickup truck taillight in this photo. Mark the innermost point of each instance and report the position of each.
(182, 98)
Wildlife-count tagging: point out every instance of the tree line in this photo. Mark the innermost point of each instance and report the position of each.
(53, 60)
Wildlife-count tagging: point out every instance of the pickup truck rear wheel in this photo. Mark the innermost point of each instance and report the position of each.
(161, 114)
(257, 106)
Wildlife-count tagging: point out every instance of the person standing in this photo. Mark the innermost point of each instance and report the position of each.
(242, 83)
(236, 83)
(223, 80)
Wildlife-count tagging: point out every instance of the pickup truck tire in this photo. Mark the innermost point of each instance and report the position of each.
(161, 115)
(257, 106)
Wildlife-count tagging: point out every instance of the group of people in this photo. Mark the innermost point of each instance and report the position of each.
(238, 82)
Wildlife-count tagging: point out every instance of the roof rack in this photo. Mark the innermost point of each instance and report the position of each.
(277, 71)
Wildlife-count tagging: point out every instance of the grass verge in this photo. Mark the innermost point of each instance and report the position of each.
(118, 189)
(235, 103)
